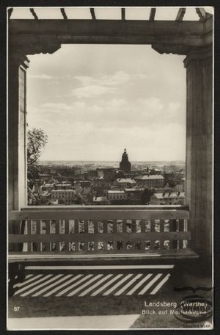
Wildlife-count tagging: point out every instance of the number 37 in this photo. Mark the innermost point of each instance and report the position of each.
(16, 308)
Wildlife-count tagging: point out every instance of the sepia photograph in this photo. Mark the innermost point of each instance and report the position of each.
(110, 168)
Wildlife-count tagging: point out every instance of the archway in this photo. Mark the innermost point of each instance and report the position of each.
(193, 39)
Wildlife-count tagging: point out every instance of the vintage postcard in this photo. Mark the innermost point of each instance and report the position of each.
(110, 168)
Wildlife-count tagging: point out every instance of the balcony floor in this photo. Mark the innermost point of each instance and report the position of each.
(86, 295)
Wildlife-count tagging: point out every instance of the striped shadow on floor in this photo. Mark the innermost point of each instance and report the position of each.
(82, 282)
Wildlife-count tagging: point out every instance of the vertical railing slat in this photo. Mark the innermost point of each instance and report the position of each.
(142, 226)
(173, 228)
(105, 232)
(115, 246)
(67, 231)
(67, 227)
(143, 233)
(123, 226)
(114, 232)
(105, 226)
(57, 230)
(86, 231)
(47, 233)
(181, 228)
(95, 227)
(114, 226)
(38, 231)
(186, 228)
(76, 231)
(76, 226)
(162, 222)
(29, 231)
(152, 229)
(86, 226)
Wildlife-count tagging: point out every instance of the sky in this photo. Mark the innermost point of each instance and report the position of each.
(95, 100)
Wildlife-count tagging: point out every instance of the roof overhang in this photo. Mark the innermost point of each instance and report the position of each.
(46, 36)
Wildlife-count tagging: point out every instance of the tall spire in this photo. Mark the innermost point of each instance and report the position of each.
(125, 165)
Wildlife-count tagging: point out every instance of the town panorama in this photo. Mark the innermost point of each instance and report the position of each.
(107, 183)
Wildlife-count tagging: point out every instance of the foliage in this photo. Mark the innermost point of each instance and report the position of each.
(146, 195)
(36, 141)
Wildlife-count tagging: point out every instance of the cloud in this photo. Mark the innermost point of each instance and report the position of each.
(142, 76)
(119, 83)
(99, 85)
(40, 76)
(123, 96)
(55, 106)
(92, 90)
(116, 112)
(148, 128)
(115, 79)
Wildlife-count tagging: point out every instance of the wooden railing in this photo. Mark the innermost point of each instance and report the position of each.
(99, 230)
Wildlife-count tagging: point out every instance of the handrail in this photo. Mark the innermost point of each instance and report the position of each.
(100, 212)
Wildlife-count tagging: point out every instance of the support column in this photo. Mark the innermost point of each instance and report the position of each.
(199, 148)
(17, 65)
(17, 181)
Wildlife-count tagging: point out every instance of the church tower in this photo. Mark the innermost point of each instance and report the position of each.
(125, 165)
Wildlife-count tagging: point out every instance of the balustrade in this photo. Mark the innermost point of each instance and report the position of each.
(128, 230)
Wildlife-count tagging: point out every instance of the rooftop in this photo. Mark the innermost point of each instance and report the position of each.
(126, 180)
(63, 190)
(134, 189)
(168, 195)
(99, 199)
(149, 177)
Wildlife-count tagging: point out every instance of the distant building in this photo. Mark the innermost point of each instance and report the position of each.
(134, 193)
(125, 165)
(102, 183)
(47, 187)
(100, 201)
(150, 181)
(67, 195)
(167, 198)
(116, 195)
(179, 187)
(125, 182)
(63, 186)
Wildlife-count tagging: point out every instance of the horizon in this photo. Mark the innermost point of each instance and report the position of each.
(112, 161)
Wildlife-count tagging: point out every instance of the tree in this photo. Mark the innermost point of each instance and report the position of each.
(36, 141)
(146, 195)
